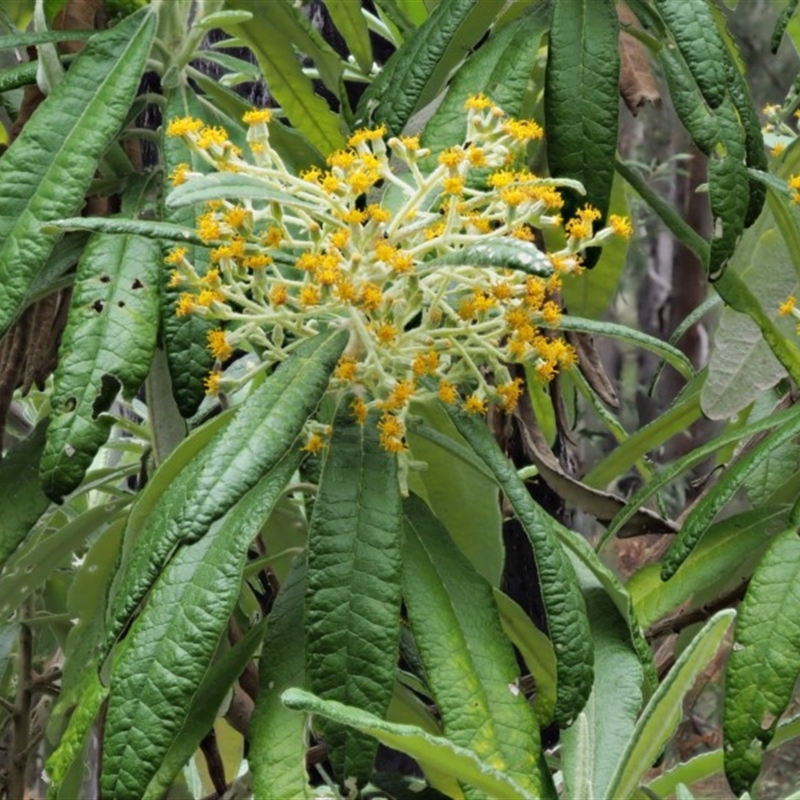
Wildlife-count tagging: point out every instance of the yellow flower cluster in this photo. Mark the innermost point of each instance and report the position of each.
(789, 308)
(370, 243)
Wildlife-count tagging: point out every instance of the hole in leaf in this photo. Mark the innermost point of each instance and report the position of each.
(137, 284)
(105, 278)
(98, 306)
(121, 304)
(109, 387)
(70, 403)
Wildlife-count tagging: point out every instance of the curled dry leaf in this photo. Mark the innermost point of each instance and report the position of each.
(636, 83)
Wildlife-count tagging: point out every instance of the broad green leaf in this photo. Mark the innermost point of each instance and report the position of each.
(173, 640)
(537, 651)
(725, 555)
(788, 417)
(699, 42)
(703, 512)
(418, 70)
(475, 526)
(262, 431)
(582, 98)
(22, 500)
(501, 69)
(34, 561)
(185, 339)
(764, 661)
(469, 663)
(108, 344)
(305, 109)
(563, 601)
(352, 607)
(48, 168)
(350, 22)
(459, 762)
(205, 706)
(592, 747)
(662, 714)
(624, 333)
(277, 745)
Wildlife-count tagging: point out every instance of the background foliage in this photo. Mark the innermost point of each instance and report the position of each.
(192, 603)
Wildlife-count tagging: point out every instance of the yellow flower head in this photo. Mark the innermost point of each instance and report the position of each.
(256, 116)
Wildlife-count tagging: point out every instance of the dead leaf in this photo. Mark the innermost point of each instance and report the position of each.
(636, 83)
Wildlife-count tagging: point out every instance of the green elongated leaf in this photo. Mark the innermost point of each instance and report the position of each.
(563, 601)
(704, 511)
(48, 168)
(36, 559)
(352, 606)
(469, 663)
(661, 715)
(22, 500)
(306, 110)
(764, 661)
(727, 553)
(277, 746)
(205, 706)
(149, 229)
(728, 187)
(502, 252)
(416, 72)
(25, 73)
(32, 38)
(452, 759)
(582, 98)
(260, 434)
(186, 338)
(536, 649)
(624, 333)
(584, 558)
(501, 69)
(475, 526)
(699, 42)
(789, 417)
(108, 344)
(227, 184)
(155, 680)
(593, 746)
(350, 22)
(780, 25)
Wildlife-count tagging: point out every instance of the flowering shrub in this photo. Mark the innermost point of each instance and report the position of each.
(371, 245)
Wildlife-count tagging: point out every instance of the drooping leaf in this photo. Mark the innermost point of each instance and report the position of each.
(563, 601)
(220, 185)
(417, 71)
(48, 168)
(502, 252)
(459, 762)
(262, 431)
(352, 606)
(277, 746)
(108, 345)
(582, 99)
(469, 663)
(153, 682)
(350, 22)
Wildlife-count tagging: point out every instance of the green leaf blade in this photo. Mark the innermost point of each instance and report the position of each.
(49, 167)
(764, 662)
(353, 593)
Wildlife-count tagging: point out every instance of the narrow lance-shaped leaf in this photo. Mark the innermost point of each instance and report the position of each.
(424, 61)
(108, 344)
(47, 170)
(277, 742)
(452, 760)
(563, 601)
(469, 662)
(172, 642)
(764, 661)
(260, 434)
(582, 99)
(353, 591)
(702, 514)
(349, 20)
